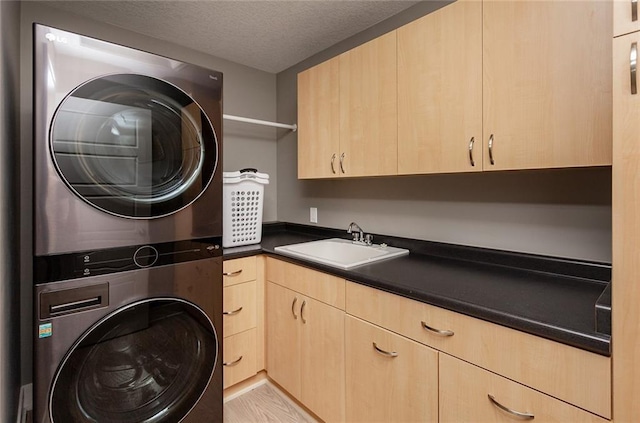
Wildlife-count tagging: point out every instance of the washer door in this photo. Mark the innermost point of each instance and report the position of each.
(146, 363)
(133, 146)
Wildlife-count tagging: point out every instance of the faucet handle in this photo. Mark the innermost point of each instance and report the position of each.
(368, 239)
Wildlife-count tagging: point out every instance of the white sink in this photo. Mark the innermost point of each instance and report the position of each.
(341, 253)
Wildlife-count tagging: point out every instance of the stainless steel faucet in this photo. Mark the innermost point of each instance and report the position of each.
(358, 234)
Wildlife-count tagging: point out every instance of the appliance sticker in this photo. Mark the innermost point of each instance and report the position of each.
(44, 330)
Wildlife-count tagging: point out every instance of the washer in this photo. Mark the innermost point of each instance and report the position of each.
(127, 146)
(137, 346)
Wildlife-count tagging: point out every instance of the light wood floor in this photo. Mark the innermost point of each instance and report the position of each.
(265, 404)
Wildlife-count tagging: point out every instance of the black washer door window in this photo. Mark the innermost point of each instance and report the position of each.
(148, 363)
(133, 146)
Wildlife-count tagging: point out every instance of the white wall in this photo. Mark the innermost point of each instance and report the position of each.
(564, 213)
(247, 92)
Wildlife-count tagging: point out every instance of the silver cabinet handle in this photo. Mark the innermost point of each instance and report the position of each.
(383, 352)
(293, 306)
(473, 140)
(333, 159)
(341, 162)
(232, 363)
(634, 10)
(516, 414)
(491, 150)
(633, 65)
(236, 273)
(231, 313)
(438, 332)
(304, 303)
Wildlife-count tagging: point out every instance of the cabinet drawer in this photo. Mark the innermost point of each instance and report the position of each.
(570, 374)
(239, 357)
(389, 377)
(465, 390)
(239, 308)
(623, 17)
(239, 270)
(320, 286)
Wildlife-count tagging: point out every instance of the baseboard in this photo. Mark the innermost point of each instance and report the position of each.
(245, 386)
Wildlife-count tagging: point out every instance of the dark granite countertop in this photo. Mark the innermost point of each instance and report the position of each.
(545, 296)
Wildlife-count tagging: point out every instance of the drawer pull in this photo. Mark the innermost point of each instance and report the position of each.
(438, 332)
(304, 303)
(491, 150)
(231, 313)
(236, 273)
(471, 161)
(293, 308)
(392, 354)
(513, 413)
(232, 363)
(633, 66)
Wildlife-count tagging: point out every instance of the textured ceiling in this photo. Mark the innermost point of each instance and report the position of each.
(267, 35)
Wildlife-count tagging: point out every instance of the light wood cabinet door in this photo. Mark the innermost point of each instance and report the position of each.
(368, 109)
(319, 121)
(440, 91)
(305, 350)
(625, 233)
(283, 337)
(546, 84)
(389, 378)
(464, 397)
(322, 359)
(625, 17)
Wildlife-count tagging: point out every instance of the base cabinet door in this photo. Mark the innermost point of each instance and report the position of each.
(322, 359)
(389, 378)
(283, 351)
(305, 350)
(471, 394)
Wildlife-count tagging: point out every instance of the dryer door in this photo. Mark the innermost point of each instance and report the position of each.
(133, 146)
(148, 362)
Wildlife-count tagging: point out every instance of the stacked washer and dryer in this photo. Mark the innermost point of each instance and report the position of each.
(127, 235)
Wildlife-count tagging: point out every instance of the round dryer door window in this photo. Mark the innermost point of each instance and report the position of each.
(149, 362)
(133, 146)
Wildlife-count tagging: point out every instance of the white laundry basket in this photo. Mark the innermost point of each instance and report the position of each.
(243, 199)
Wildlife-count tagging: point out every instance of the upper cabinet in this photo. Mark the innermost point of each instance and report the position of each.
(547, 98)
(440, 91)
(625, 17)
(368, 108)
(347, 113)
(473, 86)
(319, 114)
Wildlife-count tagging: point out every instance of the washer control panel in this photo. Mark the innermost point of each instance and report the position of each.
(112, 260)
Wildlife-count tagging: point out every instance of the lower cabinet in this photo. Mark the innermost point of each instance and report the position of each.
(389, 378)
(242, 321)
(305, 350)
(379, 360)
(471, 394)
